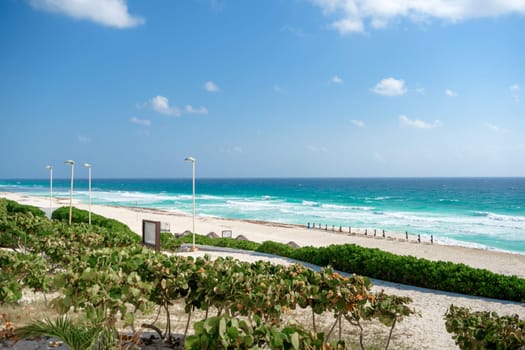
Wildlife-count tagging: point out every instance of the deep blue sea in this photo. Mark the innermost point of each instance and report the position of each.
(476, 212)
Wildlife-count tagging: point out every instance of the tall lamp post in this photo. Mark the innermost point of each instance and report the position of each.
(72, 163)
(87, 165)
(192, 160)
(50, 168)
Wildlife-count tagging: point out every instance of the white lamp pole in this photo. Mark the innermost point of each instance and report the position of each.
(72, 163)
(50, 168)
(87, 165)
(192, 160)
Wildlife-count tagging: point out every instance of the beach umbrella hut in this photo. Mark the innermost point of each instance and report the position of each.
(292, 244)
(212, 235)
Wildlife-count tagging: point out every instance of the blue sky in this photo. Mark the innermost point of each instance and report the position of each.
(274, 88)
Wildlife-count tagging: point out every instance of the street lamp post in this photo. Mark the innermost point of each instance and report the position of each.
(192, 160)
(72, 163)
(50, 168)
(87, 165)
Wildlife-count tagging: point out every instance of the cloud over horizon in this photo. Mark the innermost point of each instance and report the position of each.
(390, 87)
(191, 110)
(210, 86)
(138, 121)
(111, 13)
(161, 104)
(336, 79)
(358, 123)
(352, 16)
(419, 124)
(450, 93)
(84, 139)
(491, 126)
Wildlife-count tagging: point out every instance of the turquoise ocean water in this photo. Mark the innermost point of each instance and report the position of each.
(477, 212)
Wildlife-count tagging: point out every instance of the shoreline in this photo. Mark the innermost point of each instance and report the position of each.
(485, 239)
(376, 233)
(507, 263)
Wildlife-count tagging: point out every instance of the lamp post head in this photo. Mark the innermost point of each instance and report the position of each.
(190, 159)
(49, 167)
(87, 165)
(70, 162)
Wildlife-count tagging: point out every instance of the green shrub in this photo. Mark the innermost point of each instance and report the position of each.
(15, 207)
(19, 224)
(441, 275)
(270, 247)
(484, 330)
(375, 263)
(225, 332)
(82, 216)
(168, 242)
(219, 242)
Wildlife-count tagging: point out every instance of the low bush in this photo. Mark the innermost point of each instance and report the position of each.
(218, 242)
(82, 216)
(441, 275)
(168, 242)
(484, 330)
(375, 263)
(15, 207)
(270, 247)
(226, 332)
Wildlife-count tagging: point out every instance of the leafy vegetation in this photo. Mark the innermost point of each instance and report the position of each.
(484, 330)
(15, 207)
(375, 263)
(102, 272)
(219, 242)
(105, 275)
(225, 332)
(76, 336)
(81, 216)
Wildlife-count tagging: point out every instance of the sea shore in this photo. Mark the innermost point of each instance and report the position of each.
(257, 231)
(426, 331)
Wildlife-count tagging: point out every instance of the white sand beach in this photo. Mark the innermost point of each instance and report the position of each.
(425, 332)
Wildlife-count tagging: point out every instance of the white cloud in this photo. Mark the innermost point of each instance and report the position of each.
(84, 139)
(419, 124)
(111, 13)
(450, 93)
(347, 25)
(379, 23)
(358, 123)
(336, 79)
(420, 90)
(161, 104)
(515, 92)
(350, 16)
(390, 87)
(277, 89)
(210, 86)
(200, 110)
(492, 127)
(138, 121)
(232, 150)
